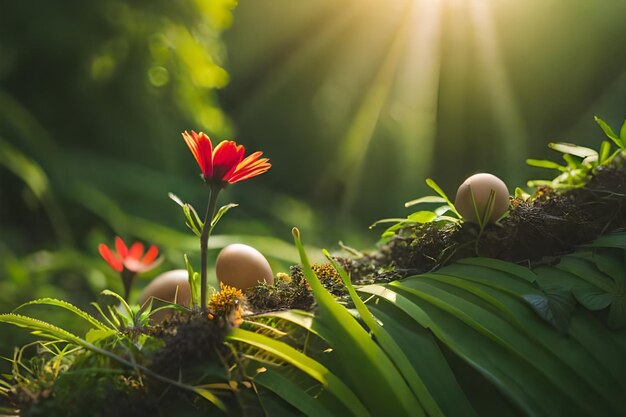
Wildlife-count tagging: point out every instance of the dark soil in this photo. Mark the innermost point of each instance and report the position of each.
(536, 231)
(189, 339)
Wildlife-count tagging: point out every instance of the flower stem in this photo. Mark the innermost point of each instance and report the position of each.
(127, 280)
(204, 244)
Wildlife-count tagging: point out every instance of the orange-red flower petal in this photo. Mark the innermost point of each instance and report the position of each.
(130, 259)
(108, 256)
(224, 164)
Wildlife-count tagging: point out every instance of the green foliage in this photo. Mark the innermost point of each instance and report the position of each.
(423, 216)
(580, 162)
(531, 344)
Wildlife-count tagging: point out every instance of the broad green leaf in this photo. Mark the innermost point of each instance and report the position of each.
(622, 132)
(495, 327)
(611, 262)
(422, 216)
(571, 149)
(291, 393)
(528, 390)
(307, 365)
(610, 133)
(617, 314)
(540, 163)
(353, 343)
(70, 307)
(426, 199)
(594, 336)
(432, 184)
(499, 265)
(555, 308)
(389, 345)
(591, 298)
(426, 358)
(585, 271)
(612, 240)
(556, 347)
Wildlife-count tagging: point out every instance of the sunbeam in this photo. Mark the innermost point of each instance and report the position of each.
(355, 144)
(496, 81)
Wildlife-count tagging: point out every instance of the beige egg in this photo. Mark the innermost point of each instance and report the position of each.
(164, 287)
(242, 266)
(481, 186)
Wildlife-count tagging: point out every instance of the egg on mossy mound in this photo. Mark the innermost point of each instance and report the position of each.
(242, 266)
(169, 286)
(481, 186)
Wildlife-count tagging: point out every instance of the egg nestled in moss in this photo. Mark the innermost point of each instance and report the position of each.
(242, 266)
(481, 186)
(168, 286)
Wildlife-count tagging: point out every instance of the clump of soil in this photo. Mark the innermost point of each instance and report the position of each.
(189, 338)
(548, 226)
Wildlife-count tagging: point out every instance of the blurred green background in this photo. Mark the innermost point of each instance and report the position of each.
(355, 103)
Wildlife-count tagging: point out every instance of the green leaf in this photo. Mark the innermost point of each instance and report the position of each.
(353, 343)
(390, 220)
(612, 240)
(95, 335)
(609, 133)
(41, 328)
(555, 307)
(422, 216)
(571, 149)
(572, 164)
(194, 282)
(538, 183)
(528, 391)
(222, 210)
(426, 358)
(611, 262)
(212, 398)
(389, 345)
(521, 194)
(617, 314)
(499, 265)
(302, 362)
(291, 393)
(191, 215)
(622, 132)
(605, 149)
(592, 298)
(70, 307)
(123, 302)
(193, 220)
(432, 184)
(417, 217)
(541, 163)
(427, 199)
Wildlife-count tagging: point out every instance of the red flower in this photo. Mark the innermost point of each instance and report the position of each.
(130, 259)
(224, 164)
